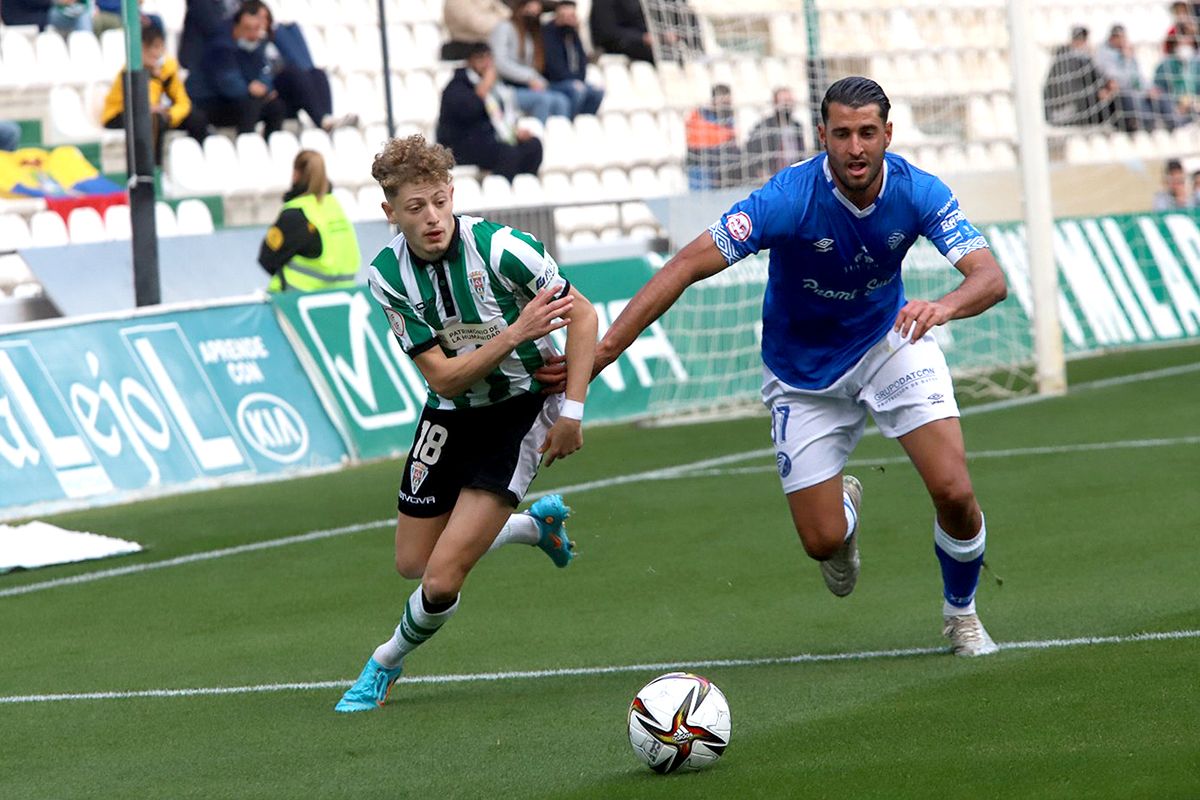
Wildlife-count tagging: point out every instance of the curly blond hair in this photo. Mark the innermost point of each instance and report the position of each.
(411, 160)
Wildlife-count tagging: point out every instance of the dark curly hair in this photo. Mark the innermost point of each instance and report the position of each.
(411, 160)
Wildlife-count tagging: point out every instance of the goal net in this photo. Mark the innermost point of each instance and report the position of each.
(946, 69)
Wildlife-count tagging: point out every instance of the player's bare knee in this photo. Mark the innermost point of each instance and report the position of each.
(821, 543)
(442, 585)
(409, 566)
(953, 497)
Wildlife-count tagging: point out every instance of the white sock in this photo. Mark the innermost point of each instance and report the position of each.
(415, 628)
(851, 515)
(520, 528)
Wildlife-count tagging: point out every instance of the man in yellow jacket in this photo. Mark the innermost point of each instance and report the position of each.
(170, 106)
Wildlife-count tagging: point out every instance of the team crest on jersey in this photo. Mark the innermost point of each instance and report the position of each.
(739, 226)
(417, 473)
(478, 283)
(896, 239)
(823, 245)
(396, 320)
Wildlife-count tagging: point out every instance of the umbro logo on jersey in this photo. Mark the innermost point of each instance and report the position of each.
(823, 245)
(896, 239)
(936, 398)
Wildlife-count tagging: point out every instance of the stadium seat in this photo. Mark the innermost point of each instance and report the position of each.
(673, 179)
(592, 147)
(348, 201)
(614, 184)
(259, 173)
(164, 220)
(636, 215)
(14, 233)
(619, 94)
(117, 223)
(427, 38)
(85, 225)
(221, 164)
(283, 147)
(47, 229)
(644, 182)
(342, 49)
(112, 51)
(559, 151)
(317, 139)
(87, 60)
(350, 164)
(557, 187)
(193, 218)
(621, 148)
(69, 120)
(468, 196)
(646, 85)
(185, 168)
(363, 94)
(496, 192)
(647, 143)
(527, 191)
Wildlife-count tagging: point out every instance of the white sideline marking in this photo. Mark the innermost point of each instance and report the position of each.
(1129, 444)
(664, 473)
(571, 672)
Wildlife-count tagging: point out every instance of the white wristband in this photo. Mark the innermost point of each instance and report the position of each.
(571, 409)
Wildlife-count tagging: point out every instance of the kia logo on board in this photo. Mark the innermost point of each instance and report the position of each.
(272, 427)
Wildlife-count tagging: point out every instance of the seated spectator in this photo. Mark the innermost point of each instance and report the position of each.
(233, 84)
(1185, 25)
(470, 22)
(1175, 195)
(302, 86)
(777, 141)
(714, 160)
(109, 16)
(477, 120)
(1076, 91)
(170, 106)
(203, 21)
(619, 26)
(1138, 108)
(520, 58)
(566, 61)
(10, 135)
(312, 245)
(1177, 77)
(62, 15)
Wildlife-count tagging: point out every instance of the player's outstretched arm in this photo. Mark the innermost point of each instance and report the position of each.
(566, 435)
(983, 286)
(453, 376)
(700, 259)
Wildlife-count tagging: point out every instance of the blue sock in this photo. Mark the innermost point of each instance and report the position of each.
(961, 562)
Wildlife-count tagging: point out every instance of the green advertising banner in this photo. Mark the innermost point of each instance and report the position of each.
(350, 350)
(99, 410)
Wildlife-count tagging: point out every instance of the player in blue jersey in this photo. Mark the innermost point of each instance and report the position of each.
(840, 338)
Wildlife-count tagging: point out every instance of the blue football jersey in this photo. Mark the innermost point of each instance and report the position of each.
(833, 284)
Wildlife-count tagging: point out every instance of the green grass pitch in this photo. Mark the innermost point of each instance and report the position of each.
(1094, 519)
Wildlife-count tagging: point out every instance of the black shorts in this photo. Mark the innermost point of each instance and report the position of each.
(494, 448)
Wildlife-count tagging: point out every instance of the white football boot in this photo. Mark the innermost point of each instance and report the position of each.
(967, 636)
(840, 570)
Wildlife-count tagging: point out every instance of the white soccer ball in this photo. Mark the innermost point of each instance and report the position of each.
(679, 721)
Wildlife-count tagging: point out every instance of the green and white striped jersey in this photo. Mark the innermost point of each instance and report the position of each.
(488, 274)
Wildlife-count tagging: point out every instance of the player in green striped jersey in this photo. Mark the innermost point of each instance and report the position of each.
(472, 303)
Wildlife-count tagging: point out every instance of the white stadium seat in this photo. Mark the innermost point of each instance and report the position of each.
(47, 229)
(14, 232)
(85, 225)
(369, 198)
(186, 169)
(468, 196)
(193, 218)
(497, 192)
(348, 201)
(221, 164)
(259, 171)
(527, 191)
(53, 59)
(117, 223)
(164, 220)
(87, 60)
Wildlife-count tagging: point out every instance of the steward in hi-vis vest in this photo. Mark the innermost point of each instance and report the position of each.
(312, 245)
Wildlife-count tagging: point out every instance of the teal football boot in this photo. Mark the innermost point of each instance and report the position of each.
(550, 513)
(370, 690)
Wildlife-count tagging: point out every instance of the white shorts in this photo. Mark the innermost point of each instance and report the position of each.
(904, 385)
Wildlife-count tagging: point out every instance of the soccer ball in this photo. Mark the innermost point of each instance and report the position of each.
(679, 721)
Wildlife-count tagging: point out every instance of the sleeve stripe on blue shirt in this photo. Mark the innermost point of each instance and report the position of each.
(723, 242)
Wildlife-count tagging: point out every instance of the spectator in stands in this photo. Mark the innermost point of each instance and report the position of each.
(478, 120)
(1177, 77)
(470, 22)
(566, 61)
(619, 26)
(170, 106)
(312, 245)
(1185, 25)
(62, 15)
(302, 86)
(110, 17)
(520, 58)
(1076, 91)
(204, 21)
(1175, 195)
(1138, 108)
(1196, 188)
(714, 160)
(233, 84)
(10, 135)
(777, 141)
